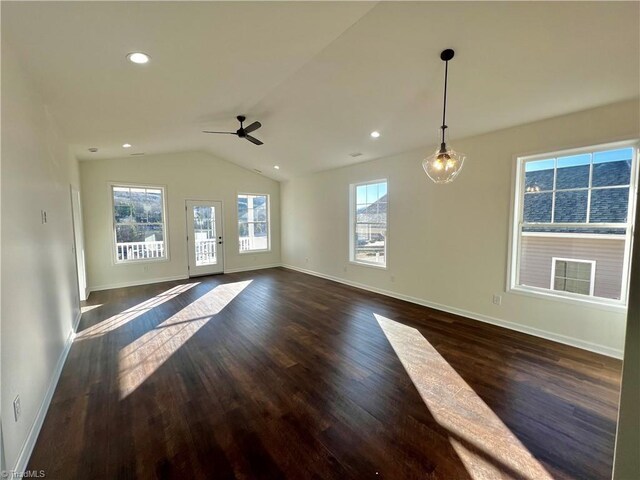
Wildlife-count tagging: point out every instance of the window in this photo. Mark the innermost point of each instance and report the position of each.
(369, 223)
(138, 223)
(573, 210)
(574, 276)
(253, 223)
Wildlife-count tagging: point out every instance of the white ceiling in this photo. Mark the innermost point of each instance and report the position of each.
(320, 76)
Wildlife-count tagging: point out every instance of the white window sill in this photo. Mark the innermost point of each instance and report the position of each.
(587, 302)
(370, 265)
(249, 252)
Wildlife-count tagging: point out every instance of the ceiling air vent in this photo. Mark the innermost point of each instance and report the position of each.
(355, 154)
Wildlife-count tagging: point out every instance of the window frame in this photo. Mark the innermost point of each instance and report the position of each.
(592, 279)
(268, 222)
(165, 223)
(517, 211)
(353, 225)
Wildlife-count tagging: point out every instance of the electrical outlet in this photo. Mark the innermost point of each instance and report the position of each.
(393, 278)
(344, 269)
(16, 408)
(497, 300)
(306, 260)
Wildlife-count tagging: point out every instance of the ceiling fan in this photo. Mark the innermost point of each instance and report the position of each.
(243, 132)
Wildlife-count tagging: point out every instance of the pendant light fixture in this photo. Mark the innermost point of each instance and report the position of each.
(445, 164)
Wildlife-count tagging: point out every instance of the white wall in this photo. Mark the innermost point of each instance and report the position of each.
(39, 289)
(627, 459)
(186, 176)
(448, 244)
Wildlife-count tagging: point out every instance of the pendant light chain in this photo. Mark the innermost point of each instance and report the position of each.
(444, 106)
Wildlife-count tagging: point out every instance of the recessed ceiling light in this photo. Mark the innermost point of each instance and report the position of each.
(93, 149)
(375, 134)
(138, 57)
(277, 167)
(126, 145)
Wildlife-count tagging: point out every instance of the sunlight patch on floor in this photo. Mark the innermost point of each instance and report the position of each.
(141, 358)
(115, 321)
(485, 445)
(88, 308)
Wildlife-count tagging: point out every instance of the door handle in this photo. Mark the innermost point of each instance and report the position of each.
(220, 242)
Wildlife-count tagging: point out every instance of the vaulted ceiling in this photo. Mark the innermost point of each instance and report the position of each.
(320, 76)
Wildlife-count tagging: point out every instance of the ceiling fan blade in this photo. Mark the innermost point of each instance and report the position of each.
(253, 140)
(253, 127)
(228, 133)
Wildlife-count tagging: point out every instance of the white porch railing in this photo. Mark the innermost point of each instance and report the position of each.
(139, 250)
(245, 244)
(205, 252)
(205, 249)
(253, 243)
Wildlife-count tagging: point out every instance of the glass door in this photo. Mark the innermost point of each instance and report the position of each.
(204, 237)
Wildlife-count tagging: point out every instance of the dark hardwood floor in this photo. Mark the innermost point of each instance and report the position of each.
(277, 374)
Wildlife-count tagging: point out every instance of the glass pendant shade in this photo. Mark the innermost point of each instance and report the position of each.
(444, 165)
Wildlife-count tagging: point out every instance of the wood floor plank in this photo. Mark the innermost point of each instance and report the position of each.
(278, 374)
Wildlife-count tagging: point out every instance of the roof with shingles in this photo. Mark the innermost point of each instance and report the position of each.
(609, 201)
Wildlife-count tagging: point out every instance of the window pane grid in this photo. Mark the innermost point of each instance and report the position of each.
(576, 205)
(253, 222)
(607, 170)
(138, 217)
(369, 223)
(573, 276)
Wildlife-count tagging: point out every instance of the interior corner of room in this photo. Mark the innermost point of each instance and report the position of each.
(274, 201)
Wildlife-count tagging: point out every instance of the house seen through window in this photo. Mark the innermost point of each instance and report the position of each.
(573, 226)
(138, 223)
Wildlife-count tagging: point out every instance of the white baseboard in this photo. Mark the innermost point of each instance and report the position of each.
(76, 322)
(556, 337)
(135, 283)
(170, 279)
(32, 437)
(254, 267)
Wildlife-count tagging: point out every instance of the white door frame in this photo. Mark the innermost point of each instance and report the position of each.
(78, 242)
(218, 268)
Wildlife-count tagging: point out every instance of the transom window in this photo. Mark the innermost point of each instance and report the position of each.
(138, 223)
(253, 222)
(575, 209)
(369, 203)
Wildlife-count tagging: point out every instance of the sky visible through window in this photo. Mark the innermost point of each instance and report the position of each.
(366, 194)
(584, 159)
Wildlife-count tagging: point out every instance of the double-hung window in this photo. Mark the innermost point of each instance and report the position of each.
(369, 203)
(573, 223)
(253, 223)
(139, 228)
